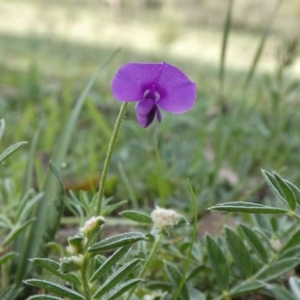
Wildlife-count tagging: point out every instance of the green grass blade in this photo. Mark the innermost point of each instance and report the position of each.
(2, 127)
(99, 119)
(28, 176)
(261, 45)
(10, 150)
(226, 32)
(128, 186)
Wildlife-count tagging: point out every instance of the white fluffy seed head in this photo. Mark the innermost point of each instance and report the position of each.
(162, 217)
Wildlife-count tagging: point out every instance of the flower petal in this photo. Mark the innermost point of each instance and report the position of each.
(144, 107)
(133, 79)
(145, 121)
(178, 93)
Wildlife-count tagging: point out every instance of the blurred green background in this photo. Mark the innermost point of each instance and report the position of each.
(50, 49)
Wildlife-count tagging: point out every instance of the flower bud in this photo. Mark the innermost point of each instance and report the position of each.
(276, 245)
(76, 244)
(70, 264)
(92, 226)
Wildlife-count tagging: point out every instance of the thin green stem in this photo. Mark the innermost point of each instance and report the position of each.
(148, 261)
(108, 157)
(84, 276)
(187, 265)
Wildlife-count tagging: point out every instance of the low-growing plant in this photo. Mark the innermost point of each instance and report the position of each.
(156, 254)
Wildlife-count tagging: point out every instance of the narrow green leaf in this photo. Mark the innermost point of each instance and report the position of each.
(114, 279)
(100, 119)
(290, 252)
(109, 263)
(261, 46)
(53, 267)
(5, 222)
(10, 150)
(28, 175)
(43, 297)
(192, 247)
(247, 207)
(295, 190)
(136, 216)
(218, 262)
(280, 292)
(246, 287)
(6, 257)
(224, 45)
(57, 174)
(117, 241)
(196, 294)
(159, 285)
(55, 288)
(295, 286)
(175, 278)
(255, 242)
(25, 208)
(128, 186)
(263, 225)
(121, 289)
(239, 252)
(278, 268)
(11, 292)
(108, 209)
(16, 231)
(273, 184)
(293, 241)
(286, 191)
(2, 128)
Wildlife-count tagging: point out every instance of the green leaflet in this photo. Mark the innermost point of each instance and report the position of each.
(116, 277)
(246, 287)
(121, 289)
(295, 286)
(239, 252)
(278, 268)
(286, 191)
(43, 297)
(218, 262)
(175, 278)
(10, 150)
(136, 216)
(248, 207)
(109, 263)
(53, 267)
(255, 242)
(55, 288)
(117, 241)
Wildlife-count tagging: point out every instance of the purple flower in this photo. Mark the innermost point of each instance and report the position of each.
(154, 86)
